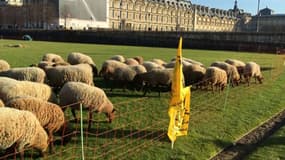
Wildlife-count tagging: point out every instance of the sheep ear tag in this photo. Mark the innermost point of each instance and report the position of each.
(179, 105)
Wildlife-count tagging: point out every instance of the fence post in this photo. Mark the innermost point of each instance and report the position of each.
(81, 131)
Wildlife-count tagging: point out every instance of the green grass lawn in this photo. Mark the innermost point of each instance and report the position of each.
(272, 148)
(139, 132)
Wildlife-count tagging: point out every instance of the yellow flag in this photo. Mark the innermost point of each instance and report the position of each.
(179, 106)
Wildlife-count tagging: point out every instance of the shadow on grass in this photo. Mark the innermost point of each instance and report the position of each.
(266, 68)
(274, 141)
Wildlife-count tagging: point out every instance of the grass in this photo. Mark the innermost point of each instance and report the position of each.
(272, 148)
(139, 132)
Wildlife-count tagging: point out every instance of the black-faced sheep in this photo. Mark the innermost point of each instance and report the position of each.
(21, 130)
(4, 65)
(216, 77)
(50, 115)
(79, 58)
(252, 69)
(33, 74)
(92, 98)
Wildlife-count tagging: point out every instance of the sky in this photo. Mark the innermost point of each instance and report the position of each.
(278, 6)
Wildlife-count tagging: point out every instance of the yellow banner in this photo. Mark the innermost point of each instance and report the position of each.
(179, 106)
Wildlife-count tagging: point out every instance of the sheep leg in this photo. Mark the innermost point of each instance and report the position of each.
(74, 115)
(22, 154)
(90, 119)
(51, 146)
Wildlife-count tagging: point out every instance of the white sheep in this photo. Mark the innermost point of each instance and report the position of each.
(51, 57)
(10, 88)
(92, 98)
(216, 77)
(172, 64)
(33, 74)
(194, 74)
(149, 66)
(44, 64)
(119, 58)
(154, 78)
(252, 69)
(50, 115)
(22, 130)
(108, 68)
(232, 72)
(158, 61)
(139, 59)
(123, 76)
(189, 61)
(139, 68)
(79, 58)
(4, 65)
(59, 75)
(131, 62)
(238, 64)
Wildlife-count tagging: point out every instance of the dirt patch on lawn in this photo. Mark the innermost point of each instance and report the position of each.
(252, 140)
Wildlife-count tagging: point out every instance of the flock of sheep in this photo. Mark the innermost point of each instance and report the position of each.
(46, 88)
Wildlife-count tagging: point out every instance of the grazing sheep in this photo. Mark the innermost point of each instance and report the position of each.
(92, 98)
(4, 66)
(149, 66)
(154, 78)
(1, 103)
(139, 69)
(232, 72)
(108, 68)
(51, 57)
(119, 58)
(188, 60)
(194, 74)
(44, 64)
(172, 64)
(252, 69)
(216, 77)
(21, 130)
(10, 88)
(50, 115)
(123, 76)
(79, 58)
(158, 61)
(238, 64)
(139, 59)
(33, 74)
(59, 75)
(131, 62)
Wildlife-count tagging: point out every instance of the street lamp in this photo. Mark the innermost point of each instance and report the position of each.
(258, 14)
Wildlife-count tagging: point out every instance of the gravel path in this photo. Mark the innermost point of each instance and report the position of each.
(250, 141)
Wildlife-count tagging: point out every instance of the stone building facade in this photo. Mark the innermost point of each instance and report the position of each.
(134, 15)
(11, 2)
(168, 15)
